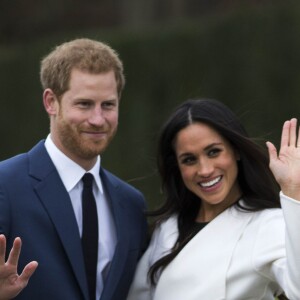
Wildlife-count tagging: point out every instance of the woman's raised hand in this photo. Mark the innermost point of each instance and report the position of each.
(285, 165)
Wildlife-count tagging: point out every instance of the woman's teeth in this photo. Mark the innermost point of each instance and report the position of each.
(210, 183)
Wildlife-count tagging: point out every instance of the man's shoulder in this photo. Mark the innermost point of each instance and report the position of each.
(117, 181)
(13, 161)
(18, 161)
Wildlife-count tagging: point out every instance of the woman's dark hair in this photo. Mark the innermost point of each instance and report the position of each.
(258, 186)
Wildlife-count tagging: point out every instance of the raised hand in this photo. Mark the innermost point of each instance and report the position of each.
(11, 284)
(286, 165)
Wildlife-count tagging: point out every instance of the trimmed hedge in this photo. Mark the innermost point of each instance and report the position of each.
(248, 58)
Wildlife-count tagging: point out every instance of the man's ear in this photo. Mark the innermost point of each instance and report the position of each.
(50, 102)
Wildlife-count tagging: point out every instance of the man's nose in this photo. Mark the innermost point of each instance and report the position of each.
(97, 117)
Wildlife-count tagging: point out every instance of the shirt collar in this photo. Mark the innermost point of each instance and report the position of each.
(69, 171)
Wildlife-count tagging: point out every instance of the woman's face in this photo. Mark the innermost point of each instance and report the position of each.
(208, 166)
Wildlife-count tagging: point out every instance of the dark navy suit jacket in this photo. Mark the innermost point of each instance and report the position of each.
(35, 206)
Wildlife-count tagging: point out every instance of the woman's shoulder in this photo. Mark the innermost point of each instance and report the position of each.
(163, 238)
(262, 214)
(269, 213)
(165, 226)
(268, 220)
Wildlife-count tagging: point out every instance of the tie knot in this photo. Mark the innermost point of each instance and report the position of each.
(88, 180)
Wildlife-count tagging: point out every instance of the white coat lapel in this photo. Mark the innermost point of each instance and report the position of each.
(199, 270)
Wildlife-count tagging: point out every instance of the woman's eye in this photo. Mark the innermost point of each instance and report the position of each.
(214, 152)
(188, 160)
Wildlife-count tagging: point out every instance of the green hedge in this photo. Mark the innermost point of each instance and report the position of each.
(248, 58)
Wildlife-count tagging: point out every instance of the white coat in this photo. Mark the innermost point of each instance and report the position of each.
(237, 256)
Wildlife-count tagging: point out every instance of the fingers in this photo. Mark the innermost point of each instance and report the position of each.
(272, 151)
(2, 249)
(293, 132)
(298, 140)
(285, 135)
(15, 251)
(289, 134)
(28, 271)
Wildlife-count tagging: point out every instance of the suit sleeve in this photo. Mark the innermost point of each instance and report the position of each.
(141, 287)
(162, 241)
(4, 212)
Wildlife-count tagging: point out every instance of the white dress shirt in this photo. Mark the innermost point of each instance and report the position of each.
(71, 174)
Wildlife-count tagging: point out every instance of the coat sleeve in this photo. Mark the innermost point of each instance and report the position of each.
(276, 253)
(141, 287)
(163, 239)
(290, 280)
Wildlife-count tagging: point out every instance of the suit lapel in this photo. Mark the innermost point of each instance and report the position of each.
(199, 270)
(122, 247)
(57, 203)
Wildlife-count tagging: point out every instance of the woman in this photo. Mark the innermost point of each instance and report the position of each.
(221, 233)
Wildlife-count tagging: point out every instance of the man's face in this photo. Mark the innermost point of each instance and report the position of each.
(86, 116)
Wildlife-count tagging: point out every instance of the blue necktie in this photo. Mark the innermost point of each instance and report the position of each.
(89, 238)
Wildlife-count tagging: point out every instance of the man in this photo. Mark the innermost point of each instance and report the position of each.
(41, 191)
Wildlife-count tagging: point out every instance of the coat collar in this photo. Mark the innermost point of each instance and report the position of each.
(111, 186)
(190, 274)
(55, 199)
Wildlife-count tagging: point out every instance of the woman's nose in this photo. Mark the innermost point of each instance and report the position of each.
(205, 168)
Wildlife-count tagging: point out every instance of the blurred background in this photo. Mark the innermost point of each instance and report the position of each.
(244, 53)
